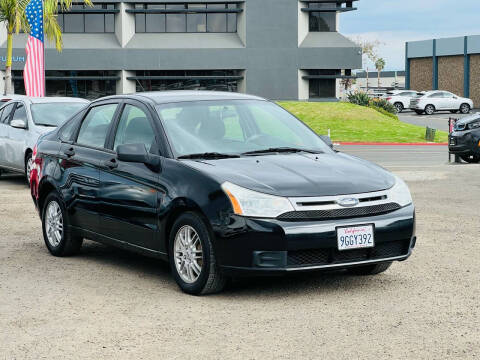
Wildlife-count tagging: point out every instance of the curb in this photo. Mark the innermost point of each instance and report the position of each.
(390, 144)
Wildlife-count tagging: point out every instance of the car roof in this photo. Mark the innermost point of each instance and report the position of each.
(53, 99)
(165, 97)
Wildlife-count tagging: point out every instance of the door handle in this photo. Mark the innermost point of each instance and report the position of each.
(69, 152)
(111, 164)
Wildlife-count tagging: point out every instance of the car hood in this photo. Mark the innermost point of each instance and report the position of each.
(299, 175)
(469, 119)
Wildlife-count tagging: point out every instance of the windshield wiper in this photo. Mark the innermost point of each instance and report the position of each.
(209, 155)
(281, 150)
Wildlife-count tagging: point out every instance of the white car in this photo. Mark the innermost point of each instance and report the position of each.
(400, 98)
(436, 100)
(23, 120)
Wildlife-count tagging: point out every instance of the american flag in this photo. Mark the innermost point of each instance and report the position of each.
(34, 71)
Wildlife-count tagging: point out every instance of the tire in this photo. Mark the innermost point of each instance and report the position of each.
(471, 159)
(28, 166)
(208, 280)
(419, 112)
(399, 107)
(370, 269)
(62, 243)
(429, 109)
(465, 108)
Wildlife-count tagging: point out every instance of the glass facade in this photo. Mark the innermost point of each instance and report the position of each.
(84, 84)
(186, 18)
(83, 19)
(218, 80)
(322, 21)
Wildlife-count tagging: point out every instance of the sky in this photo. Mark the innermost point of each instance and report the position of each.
(393, 22)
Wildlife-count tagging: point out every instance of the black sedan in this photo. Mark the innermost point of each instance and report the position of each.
(465, 139)
(220, 185)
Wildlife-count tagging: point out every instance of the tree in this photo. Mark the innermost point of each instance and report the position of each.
(12, 14)
(369, 51)
(379, 65)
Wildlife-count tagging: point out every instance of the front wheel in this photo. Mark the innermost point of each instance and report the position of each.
(429, 109)
(192, 258)
(472, 159)
(28, 166)
(370, 269)
(464, 108)
(59, 241)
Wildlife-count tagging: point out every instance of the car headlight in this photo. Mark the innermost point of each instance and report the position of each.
(400, 193)
(247, 202)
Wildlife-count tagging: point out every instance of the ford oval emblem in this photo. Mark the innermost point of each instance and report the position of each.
(347, 202)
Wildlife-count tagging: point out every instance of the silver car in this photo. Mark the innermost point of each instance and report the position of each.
(23, 120)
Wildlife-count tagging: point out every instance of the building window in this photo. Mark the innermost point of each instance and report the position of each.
(322, 21)
(86, 19)
(219, 80)
(85, 84)
(323, 83)
(186, 17)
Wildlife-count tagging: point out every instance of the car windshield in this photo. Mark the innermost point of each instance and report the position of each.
(235, 127)
(55, 113)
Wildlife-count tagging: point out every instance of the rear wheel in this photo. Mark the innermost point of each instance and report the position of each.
(429, 109)
(192, 258)
(398, 106)
(59, 241)
(370, 269)
(472, 159)
(464, 108)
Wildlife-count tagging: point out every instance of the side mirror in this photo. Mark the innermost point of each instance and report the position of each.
(137, 153)
(327, 140)
(19, 124)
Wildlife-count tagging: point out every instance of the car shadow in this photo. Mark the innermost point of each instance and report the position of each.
(324, 282)
(13, 179)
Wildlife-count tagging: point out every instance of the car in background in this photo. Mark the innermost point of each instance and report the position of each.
(400, 98)
(219, 184)
(23, 120)
(7, 98)
(465, 139)
(431, 101)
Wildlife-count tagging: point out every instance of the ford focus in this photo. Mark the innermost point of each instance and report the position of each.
(220, 185)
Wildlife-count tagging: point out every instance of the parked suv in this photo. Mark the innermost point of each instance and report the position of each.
(218, 184)
(465, 139)
(432, 101)
(23, 120)
(400, 98)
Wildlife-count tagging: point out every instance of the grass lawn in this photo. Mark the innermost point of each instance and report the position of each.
(353, 123)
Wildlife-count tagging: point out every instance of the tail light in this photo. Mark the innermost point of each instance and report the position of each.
(388, 98)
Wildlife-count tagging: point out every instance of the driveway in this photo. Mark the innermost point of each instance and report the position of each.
(106, 303)
(438, 121)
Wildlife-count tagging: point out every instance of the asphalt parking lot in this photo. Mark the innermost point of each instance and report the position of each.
(106, 303)
(438, 121)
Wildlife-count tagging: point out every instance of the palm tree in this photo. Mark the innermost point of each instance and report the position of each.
(12, 14)
(379, 65)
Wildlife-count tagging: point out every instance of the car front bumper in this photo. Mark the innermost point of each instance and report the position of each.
(249, 246)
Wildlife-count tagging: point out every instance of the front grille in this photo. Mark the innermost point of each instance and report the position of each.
(334, 256)
(339, 213)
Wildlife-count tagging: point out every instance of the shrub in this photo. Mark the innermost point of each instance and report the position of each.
(384, 112)
(383, 104)
(358, 98)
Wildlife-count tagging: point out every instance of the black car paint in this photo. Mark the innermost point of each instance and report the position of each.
(466, 141)
(133, 207)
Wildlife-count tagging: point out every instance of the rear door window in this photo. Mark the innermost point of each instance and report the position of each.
(96, 125)
(6, 113)
(20, 113)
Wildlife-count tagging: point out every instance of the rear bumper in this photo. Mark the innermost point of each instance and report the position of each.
(272, 247)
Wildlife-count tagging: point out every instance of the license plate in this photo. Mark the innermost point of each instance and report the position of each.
(355, 237)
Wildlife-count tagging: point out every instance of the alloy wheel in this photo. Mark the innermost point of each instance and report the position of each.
(188, 254)
(399, 107)
(29, 168)
(429, 109)
(465, 109)
(54, 223)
